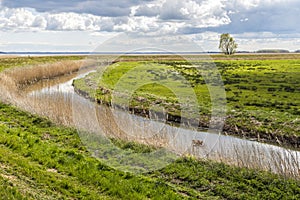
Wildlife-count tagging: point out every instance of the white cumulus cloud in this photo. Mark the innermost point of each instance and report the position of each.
(252, 18)
(26, 19)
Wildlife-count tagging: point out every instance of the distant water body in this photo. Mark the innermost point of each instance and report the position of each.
(101, 53)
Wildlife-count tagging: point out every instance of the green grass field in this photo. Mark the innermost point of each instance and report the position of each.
(42, 160)
(263, 96)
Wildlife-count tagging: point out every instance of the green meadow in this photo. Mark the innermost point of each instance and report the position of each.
(43, 160)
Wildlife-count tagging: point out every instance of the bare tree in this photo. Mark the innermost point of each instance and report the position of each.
(227, 44)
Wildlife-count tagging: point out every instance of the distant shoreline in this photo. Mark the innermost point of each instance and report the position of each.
(104, 53)
(136, 53)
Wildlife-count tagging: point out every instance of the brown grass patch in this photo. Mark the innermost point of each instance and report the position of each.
(28, 75)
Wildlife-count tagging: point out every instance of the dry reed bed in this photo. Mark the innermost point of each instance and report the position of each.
(254, 156)
(284, 163)
(13, 83)
(121, 125)
(28, 75)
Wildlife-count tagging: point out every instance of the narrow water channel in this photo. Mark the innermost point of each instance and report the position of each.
(57, 99)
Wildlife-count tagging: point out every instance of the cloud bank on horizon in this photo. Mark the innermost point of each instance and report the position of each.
(252, 22)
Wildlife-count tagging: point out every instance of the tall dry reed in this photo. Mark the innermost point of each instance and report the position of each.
(260, 156)
(23, 76)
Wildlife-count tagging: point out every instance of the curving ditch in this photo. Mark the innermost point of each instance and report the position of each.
(57, 100)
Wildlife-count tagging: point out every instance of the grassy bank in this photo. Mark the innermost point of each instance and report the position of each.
(40, 160)
(262, 95)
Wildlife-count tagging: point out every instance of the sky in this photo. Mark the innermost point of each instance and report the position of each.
(84, 25)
